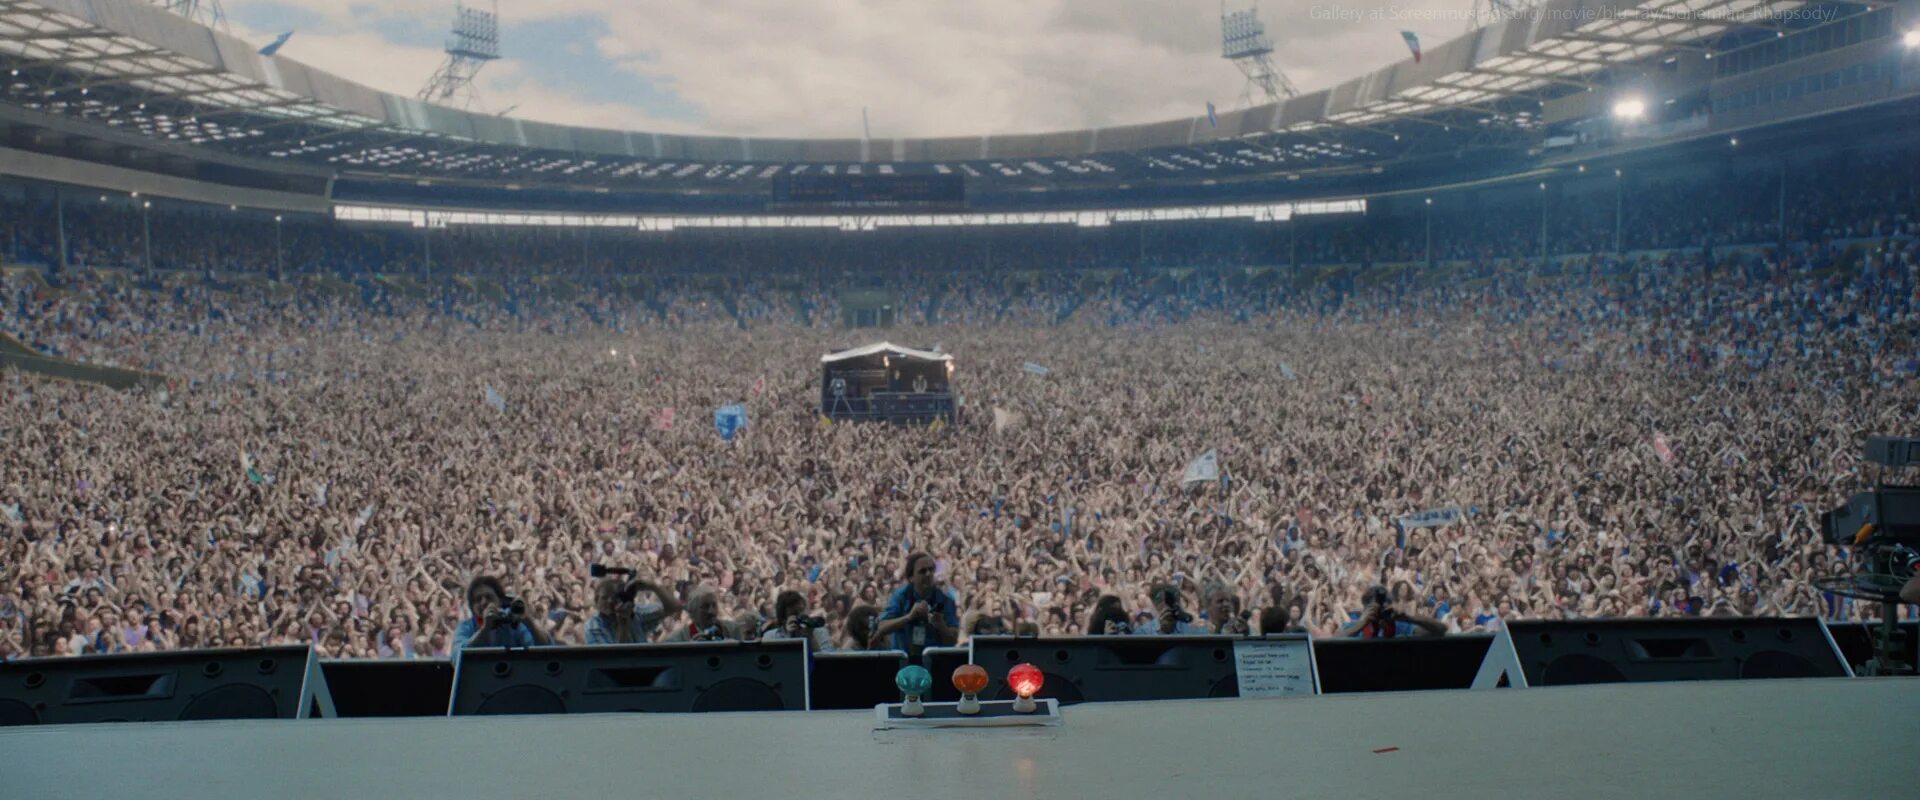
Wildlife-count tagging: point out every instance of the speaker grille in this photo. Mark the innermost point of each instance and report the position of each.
(739, 694)
(232, 701)
(522, 699)
(1778, 664)
(14, 712)
(1578, 669)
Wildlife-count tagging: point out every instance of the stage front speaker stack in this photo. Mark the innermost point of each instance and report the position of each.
(283, 682)
(675, 677)
(1573, 652)
(1108, 668)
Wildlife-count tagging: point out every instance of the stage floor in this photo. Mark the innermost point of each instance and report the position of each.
(1828, 738)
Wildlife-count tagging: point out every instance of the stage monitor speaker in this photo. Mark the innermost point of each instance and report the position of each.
(1399, 664)
(1855, 640)
(669, 677)
(1572, 652)
(389, 687)
(263, 683)
(855, 679)
(1106, 668)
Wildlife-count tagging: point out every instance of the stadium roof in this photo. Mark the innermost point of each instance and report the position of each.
(137, 70)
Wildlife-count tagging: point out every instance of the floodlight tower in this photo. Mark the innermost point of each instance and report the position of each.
(475, 41)
(205, 12)
(1243, 41)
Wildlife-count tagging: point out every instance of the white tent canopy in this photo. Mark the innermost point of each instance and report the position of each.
(884, 347)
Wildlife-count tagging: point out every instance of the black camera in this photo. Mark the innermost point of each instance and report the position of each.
(511, 610)
(811, 622)
(1171, 599)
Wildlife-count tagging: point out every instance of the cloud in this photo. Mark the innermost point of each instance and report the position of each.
(784, 68)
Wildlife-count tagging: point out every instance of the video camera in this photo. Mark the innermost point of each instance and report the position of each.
(1171, 599)
(628, 593)
(511, 609)
(1882, 526)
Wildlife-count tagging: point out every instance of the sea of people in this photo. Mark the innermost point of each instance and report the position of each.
(1619, 436)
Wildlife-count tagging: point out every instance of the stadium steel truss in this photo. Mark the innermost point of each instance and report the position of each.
(126, 73)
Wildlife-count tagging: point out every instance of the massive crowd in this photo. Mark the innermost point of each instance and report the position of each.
(1624, 436)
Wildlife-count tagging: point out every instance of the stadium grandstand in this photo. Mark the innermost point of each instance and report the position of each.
(1573, 350)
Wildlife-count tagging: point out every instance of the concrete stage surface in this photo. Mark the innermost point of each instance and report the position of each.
(1824, 738)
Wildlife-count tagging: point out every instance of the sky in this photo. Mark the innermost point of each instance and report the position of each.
(806, 68)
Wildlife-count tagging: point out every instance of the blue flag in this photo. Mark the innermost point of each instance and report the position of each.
(729, 419)
(1213, 116)
(274, 46)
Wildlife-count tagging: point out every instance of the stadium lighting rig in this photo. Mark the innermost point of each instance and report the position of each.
(1244, 41)
(475, 41)
(1629, 108)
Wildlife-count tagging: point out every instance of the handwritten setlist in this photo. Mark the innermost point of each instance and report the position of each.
(1274, 667)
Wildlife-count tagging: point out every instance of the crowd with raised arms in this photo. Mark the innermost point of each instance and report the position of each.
(1618, 437)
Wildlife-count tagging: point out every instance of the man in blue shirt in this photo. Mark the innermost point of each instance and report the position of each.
(920, 615)
(485, 596)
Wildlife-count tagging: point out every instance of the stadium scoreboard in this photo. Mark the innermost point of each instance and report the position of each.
(868, 192)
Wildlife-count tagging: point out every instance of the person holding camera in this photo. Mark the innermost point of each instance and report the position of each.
(622, 621)
(1109, 618)
(1382, 620)
(499, 619)
(1169, 618)
(920, 615)
(790, 621)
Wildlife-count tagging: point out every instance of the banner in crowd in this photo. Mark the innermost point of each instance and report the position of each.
(1036, 369)
(1204, 469)
(1432, 518)
(1004, 420)
(664, 419)
(729, 419)
(1662, 448)
(1287, 372)
(495, 401)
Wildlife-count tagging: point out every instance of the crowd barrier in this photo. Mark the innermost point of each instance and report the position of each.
(290, 682)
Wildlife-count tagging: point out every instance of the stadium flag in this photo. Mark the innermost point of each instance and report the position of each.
(1036, 369)
(1287, 372)
(664, 419)
(1201, 470)
(1662, 448)
(1004, 420)
(278, 42)
(247, 468)
(729, 419)
(1413, 43)
(1213, 115)
(494, 399)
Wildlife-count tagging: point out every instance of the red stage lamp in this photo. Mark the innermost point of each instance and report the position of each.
(1026, 680)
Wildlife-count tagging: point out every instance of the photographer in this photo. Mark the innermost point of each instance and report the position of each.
(1109, 618)
(620, 620)
(1382, 621)
(790, 621)
(1170, 618)
(499, 619)
(1223, 610)
(919, 615)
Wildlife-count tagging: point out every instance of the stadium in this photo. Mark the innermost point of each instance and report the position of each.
(1541, 390)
